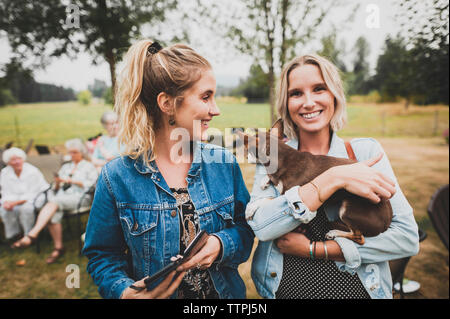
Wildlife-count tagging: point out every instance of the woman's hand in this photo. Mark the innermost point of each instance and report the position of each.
(363, 180)
(205, 257)
(8, 205)
(164, 290)
(293, 243)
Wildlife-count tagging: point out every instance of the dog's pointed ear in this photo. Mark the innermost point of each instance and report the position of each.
(250, 142)
(277, 129)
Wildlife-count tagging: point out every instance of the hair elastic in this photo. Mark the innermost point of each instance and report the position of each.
(154, 48)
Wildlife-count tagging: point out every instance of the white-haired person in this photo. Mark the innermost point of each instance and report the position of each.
(72, 181)
(293, 265)
(20, 182)
(107, 147)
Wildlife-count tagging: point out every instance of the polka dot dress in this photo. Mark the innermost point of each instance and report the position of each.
(304, 278)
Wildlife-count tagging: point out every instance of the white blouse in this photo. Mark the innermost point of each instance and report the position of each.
(84, 172)
(23, 187)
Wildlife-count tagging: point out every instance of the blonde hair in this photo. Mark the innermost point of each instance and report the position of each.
(172, 70)
(332, 79)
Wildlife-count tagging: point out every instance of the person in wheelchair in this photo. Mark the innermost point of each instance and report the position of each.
(71, 182)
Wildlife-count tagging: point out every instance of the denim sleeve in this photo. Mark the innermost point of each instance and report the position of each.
(272, 215)
(400, 240)
(237, 241)
(105, 245)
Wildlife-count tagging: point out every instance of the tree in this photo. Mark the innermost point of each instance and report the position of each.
(332, 51)
(395, 71)
(360, 77)
(254, 88)
(106, 27)
(425, 28)
(97, 88)
(270, 31)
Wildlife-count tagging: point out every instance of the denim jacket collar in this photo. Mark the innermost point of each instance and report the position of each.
(337, 146)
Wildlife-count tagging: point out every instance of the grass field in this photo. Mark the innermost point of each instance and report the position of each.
(54, 123)
(419, 159)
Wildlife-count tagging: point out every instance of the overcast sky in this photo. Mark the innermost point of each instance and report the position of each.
(79, 73)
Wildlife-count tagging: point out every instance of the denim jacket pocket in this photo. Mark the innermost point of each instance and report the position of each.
(217, 216)
(225, 214)
(139, 225)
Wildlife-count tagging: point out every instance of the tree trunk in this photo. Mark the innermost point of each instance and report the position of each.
(407, 101)
(272, 95)
(284, 11)
(270, 58)
(112, 69)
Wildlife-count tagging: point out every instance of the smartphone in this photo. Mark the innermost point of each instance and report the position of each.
(194, 247)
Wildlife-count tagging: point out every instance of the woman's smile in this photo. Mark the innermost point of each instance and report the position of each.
(311, 116)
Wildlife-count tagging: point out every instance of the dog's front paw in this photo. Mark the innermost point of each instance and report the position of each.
(332, 234)
(265, 182)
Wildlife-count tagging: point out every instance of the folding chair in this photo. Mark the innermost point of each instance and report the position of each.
(68, 214)
(438, 212)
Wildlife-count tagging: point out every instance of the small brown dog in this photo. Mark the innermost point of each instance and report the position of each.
(358, 216)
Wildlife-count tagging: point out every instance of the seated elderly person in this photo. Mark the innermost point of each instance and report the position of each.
(107, 146)
(20, 183)
(72, 180)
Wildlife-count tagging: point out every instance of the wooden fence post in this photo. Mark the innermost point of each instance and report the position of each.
(435, 122)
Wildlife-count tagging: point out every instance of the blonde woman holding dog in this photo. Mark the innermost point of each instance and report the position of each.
(292, 264)
(151, 202)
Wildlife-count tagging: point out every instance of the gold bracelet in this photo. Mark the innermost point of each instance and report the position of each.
(318, 191)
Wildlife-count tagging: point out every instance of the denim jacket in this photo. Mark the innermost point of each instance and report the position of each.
(134, 228)
(271, 219)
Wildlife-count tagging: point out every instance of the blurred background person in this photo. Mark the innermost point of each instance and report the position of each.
(73, 179)
(20, 182)
(107, 146)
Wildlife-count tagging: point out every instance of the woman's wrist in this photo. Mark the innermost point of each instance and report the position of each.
(328, 183)
(316, 192)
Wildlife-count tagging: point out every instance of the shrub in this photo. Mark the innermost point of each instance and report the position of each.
(84, 97)
(6, 97)
(107, 96)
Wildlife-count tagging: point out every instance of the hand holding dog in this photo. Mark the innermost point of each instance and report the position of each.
(363, 180)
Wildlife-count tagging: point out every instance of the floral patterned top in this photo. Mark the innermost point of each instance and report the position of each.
(197, 283)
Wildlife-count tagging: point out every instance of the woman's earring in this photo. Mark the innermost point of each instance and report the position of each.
(171, 121)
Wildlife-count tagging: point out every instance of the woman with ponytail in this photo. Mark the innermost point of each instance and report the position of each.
(153, 200)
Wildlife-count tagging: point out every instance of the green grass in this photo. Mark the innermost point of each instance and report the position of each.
(49, 123)
(54, 123)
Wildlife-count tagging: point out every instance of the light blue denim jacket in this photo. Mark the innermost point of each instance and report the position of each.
(135, 210)
(271, 219)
